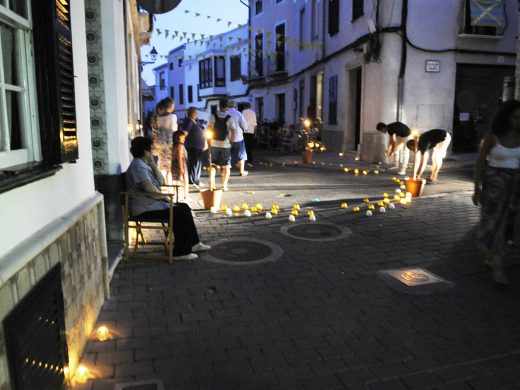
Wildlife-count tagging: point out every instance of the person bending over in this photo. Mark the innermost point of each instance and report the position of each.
(437, 140)
(143, 176)
(399, 134)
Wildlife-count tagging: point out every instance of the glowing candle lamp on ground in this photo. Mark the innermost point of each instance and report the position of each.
(366, 200)
(236, 209)
(296, 206)
(294, 212)
(356, 209)
(245, 206)
(344, 205)
(386, 201)
(397, 197)
(102, 333)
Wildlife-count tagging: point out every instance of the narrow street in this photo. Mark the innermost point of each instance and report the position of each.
(281, 305)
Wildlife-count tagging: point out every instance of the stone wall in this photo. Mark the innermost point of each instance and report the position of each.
(83, 282)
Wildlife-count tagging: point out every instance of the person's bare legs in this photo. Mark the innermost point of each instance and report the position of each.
(437, 157)
(241, 167)
(212, 172)
(226, 171)
(422, 164)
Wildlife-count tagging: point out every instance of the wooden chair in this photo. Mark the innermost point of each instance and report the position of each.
(140, 225)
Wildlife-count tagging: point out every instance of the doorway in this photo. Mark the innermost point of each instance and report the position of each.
(478, 91)
(353, 136)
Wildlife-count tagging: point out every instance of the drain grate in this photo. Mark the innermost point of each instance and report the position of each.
(315, 231)
(415, 280)
(240, 252)
(142, 385)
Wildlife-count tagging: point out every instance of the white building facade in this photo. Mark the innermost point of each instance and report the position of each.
(69, 102)
(417, 61)
(199, 73)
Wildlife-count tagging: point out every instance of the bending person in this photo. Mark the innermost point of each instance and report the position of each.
(399, 134)
(436, 139)
(144, 176)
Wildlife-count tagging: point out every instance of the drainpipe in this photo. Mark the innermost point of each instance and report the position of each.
(402, 69)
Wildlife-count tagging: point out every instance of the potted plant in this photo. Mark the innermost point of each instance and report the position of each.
(212, 196)
(415, 185)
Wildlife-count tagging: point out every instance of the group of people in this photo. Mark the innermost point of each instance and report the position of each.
(181, 151)
(402, 141)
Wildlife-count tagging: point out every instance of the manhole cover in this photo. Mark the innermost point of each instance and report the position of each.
(239, 252)
(415, 280)
(313, 231)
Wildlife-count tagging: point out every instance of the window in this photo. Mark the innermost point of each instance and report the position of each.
(162, 81)
(259, 54)
(314, 20)
(220, 71)
(234, 65)
(171, 65)
(280, 47)
(258, 7)
(180, 62)
(333, 17)
(205, 73)
(172, 93)
(190, 94)
(45, 137)
(280, 107)
(181, 93)
(302, 28)
(199, 99)
(278, 1)
(333, 100)
(357, 9)
(484, 19)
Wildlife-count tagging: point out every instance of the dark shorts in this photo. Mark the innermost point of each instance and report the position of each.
(238, 151)
(221, 156)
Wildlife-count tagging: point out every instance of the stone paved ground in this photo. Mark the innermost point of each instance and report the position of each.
(320, 317)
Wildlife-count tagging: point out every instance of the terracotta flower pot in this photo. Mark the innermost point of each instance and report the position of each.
(307, 157)
(211, 198)
(415, 186)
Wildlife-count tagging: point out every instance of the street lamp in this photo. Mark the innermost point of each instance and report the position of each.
(153, 55)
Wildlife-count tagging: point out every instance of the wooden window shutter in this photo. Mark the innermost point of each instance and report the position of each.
(55, 77)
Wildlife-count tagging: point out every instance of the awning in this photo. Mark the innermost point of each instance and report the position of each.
(158, 6)
(487, 13)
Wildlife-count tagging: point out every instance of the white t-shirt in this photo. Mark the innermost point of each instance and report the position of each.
(167, 125)
(250, 117)
(240, 123)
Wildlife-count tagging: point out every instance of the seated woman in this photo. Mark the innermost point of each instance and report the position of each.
(144, 176)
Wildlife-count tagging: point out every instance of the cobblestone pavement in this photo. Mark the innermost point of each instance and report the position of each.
(321, 316)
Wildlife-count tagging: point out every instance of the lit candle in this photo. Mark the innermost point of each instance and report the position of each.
(294, 212)
(245, 206)
(236, 209)
(376, 172)
(385, 195)
(356, 171)
(371, 207)
(344, 205)
(224, 207)
(81, 375)
(365, 172)
(259, 207)
(356, 209)
(397, 197)
(296, 206)
(346, 170)
(102, 333)
(386, 201)
(366, 200)
(254, 209)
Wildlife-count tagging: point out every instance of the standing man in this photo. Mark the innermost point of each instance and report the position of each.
(436, 139)
(399, 134)
(195, 144)
(224, 130)
(238, 149)
(250, 133)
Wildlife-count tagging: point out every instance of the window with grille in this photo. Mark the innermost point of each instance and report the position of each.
(333, 17)
(234, 64)
(37, 99)
(357, 9)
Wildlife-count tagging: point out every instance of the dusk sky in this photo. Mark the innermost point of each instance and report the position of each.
(188, 22)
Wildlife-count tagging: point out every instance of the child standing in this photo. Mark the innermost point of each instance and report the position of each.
(179, 167)
(167, 125)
